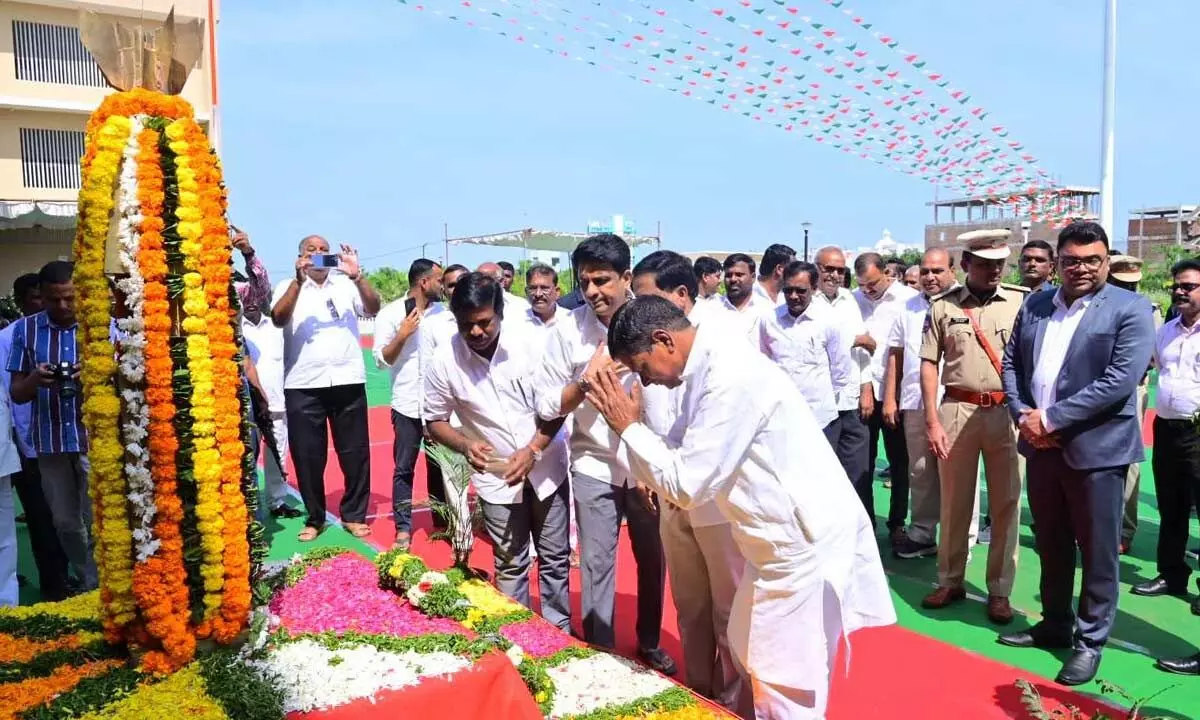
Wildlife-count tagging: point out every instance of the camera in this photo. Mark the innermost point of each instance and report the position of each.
(63, 373)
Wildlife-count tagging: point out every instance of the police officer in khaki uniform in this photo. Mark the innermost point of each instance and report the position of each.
(967, 327)
(1125, 271)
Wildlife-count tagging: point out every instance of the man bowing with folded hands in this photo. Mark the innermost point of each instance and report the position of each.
(813, 572)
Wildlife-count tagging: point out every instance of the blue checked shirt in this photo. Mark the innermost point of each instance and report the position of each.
(57, 421)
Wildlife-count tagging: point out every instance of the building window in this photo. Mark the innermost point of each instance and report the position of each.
(53, 54)
(50, 158)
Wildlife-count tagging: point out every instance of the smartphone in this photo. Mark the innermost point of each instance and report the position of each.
(324, 261)
(410, 305)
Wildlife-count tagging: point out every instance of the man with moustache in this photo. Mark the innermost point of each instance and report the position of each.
(604, 490)
(802, 339)
(770, 273)
(324, 379)
(902, 406)
(406, 333)
(708, 278)
(703, 560)
(1037, 265)
(484, 376)
(968, 328)
(541, 290)
(1070, 375)
(740, 296)
(849, 436)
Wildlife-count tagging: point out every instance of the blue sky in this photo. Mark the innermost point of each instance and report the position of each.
(371, 123)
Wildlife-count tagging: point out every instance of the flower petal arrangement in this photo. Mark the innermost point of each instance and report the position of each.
(162, 404)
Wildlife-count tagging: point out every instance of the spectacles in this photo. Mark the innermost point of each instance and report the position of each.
(1185, 288)
(1092, 262)
(830, 270)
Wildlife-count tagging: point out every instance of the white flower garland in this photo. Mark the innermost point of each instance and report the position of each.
(592, 683)
(314, 678)
(131, 356)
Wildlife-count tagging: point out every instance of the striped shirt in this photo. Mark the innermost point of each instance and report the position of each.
(57, 420)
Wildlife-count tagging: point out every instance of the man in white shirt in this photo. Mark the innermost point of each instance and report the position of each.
(514, 303)
(770, 273)
(708, 279)
(541, 290)
(803, 340)
(604, 491)
(813, 574)
(485, 377)
(881, 300)
(703, 561)
(740, 296)
(1176, 457)
(10, 463)
(902, 407)
(324, 378)
(264, 345)
(48, 553)
(405, 333)
(849, 436)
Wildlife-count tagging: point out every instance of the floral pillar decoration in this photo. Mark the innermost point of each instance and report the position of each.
(165, 401)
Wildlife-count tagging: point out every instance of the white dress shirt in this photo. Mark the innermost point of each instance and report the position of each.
(407, 370)
(750, 316)
(1056, 338)
(264, 344)
(10, 454)
(595, 450)
(850, 321)
(494, 399)
(22, 415)
(761, 292)
(811, 350)
(662, 411)
(879, 316)
(813, 571)
(1177, 355)
(539, 327)
(907, 333)
(514, 304)
(320, 343)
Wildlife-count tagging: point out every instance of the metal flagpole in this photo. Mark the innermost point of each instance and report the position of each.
(1107, 131)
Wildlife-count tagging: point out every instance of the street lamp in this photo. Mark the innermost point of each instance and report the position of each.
(806, 226)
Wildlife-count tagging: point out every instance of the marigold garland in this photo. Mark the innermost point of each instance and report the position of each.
(160, 582)
(102, 406)
(17, 697)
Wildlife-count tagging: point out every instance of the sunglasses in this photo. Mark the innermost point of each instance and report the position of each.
(1186, 288)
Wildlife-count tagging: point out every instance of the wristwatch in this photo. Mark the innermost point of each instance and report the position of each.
(584, 385)
(537, 455)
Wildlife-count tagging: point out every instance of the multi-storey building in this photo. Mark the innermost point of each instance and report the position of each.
(1153, 230)
(953, 217)
(49, 84)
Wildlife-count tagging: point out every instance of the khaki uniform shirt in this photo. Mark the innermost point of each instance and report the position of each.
(949, 335)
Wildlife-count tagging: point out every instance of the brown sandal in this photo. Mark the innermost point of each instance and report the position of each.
(358, 530)
(308, 534)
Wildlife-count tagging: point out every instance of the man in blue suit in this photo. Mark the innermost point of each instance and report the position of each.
(1071, 370)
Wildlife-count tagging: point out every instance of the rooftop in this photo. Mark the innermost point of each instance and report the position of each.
(979, 200)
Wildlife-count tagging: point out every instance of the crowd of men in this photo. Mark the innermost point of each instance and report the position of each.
(725, 431)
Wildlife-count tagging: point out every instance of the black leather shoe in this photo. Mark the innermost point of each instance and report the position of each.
(1180, 666)
(1037, 636)
(1080, 668)
(1160, 586)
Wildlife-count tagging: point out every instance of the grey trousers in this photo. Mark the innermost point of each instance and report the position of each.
(510, 526)
(65, 485)
(599, 507)
(705, 567)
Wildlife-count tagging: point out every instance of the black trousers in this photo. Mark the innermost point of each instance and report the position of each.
(48, 554)
(406, 445)
(896, 448)
(849, 435)
(1176, 464)
(343, 409)
(1077, 511)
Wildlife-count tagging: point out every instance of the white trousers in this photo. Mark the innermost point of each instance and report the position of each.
(8, 545)
(276, 477)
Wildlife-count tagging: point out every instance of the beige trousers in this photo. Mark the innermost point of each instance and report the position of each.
(1133, 479)
(925, 485)
(973, 431)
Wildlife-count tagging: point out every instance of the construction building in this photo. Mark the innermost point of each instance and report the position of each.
(956, 216)
(1153, 230)
(49, 84)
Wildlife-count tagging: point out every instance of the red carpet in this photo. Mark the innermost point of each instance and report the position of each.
(948, 683)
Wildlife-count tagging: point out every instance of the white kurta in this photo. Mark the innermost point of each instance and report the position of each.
(813, 569)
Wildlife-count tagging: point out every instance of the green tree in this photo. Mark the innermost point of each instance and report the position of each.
(389, 282)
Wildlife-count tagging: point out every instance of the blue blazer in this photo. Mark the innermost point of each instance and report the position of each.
(1095, 415)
